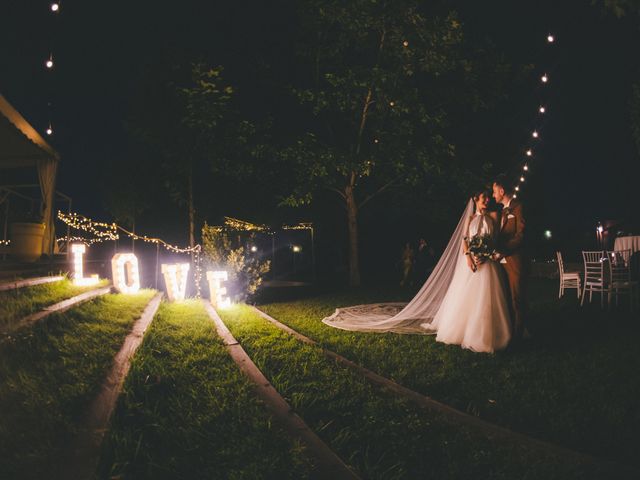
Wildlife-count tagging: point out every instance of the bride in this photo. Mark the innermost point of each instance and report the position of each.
(463, 302)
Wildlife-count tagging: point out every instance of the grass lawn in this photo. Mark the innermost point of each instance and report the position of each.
(18, 303)
(188, 412)
(576, 383)
(376, 432)
(50, 372)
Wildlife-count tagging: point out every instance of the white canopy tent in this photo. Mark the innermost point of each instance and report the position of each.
(21, 146)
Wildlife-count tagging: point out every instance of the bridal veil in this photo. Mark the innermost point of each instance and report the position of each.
(415, 316)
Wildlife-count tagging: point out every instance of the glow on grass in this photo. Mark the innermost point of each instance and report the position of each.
(175, 279)
(216, 290)
(126, 276)
(78, 250)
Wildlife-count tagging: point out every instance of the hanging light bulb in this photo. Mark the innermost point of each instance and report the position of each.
(544, 78)
(542, 109)
(405, 44)
(521, 179)
(392, 103)
(515, 196)
(529, 153)
(49, 62)
(550, 38)
(535, 134)
(55, 6)
(49, 130)
(517, 188)
(526, 168)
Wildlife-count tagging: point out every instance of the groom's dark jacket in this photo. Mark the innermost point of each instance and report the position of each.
(511, 238)
(511, 244)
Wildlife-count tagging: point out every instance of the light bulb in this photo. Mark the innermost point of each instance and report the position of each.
(544, 78)
(375, 140)
(542, 109)
(535, 134)
(529, 153)
(49, 62)
(254, 249)
(522, 179)
(405, 43)
(49, 131)
(525, 168)
(550, 38)
(392, 103)
(517, 189)
(515, 196)
(55, 6)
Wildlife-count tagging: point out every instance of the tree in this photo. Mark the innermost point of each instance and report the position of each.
(126, 194)
(180, 118)
(375, 82)
(622, 8)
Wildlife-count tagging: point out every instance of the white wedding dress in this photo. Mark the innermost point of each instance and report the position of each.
(475, 312)
(459, 306)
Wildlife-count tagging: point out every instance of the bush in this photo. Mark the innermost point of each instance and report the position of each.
(225, 252)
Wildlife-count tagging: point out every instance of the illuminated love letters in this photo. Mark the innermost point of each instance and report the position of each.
(175, 278)
(126, 276)
(78, 250)
(216, 290)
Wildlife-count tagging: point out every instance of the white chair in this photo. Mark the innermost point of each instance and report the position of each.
(567, 279)
(620, 282)
(594, 280)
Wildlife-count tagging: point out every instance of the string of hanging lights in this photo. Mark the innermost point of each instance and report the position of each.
(535, 134)
(111, 231)
(54, 8)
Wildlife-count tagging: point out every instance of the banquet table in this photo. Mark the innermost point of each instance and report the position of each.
(627, 243)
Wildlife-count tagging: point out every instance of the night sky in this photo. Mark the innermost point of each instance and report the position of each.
(588, 168)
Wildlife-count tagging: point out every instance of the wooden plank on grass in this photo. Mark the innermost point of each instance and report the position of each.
(29, 282)
(490, 430)
(330, 464)
(83, 455)
(56, 308)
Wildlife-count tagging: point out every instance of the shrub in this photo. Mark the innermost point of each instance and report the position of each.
(223, 251)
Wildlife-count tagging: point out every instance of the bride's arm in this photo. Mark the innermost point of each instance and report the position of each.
(465, 250)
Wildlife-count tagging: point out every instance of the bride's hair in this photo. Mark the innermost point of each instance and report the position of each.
(476, 195)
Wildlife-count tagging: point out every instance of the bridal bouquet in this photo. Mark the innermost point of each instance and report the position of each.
(481, 247)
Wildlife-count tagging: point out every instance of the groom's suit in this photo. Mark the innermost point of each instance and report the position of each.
(511, 246)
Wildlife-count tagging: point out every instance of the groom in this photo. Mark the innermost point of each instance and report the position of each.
(511, 253)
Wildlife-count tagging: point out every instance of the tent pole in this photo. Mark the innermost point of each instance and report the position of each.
(6, 223)
(157, 256)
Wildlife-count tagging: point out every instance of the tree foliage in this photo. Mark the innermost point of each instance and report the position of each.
(376, 83)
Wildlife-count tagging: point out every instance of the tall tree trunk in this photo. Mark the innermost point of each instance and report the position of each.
(192, 212)
(352, 221)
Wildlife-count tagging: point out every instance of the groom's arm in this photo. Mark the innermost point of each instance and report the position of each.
(516, 240)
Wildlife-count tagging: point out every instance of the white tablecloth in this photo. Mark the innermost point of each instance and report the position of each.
(627, 243)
